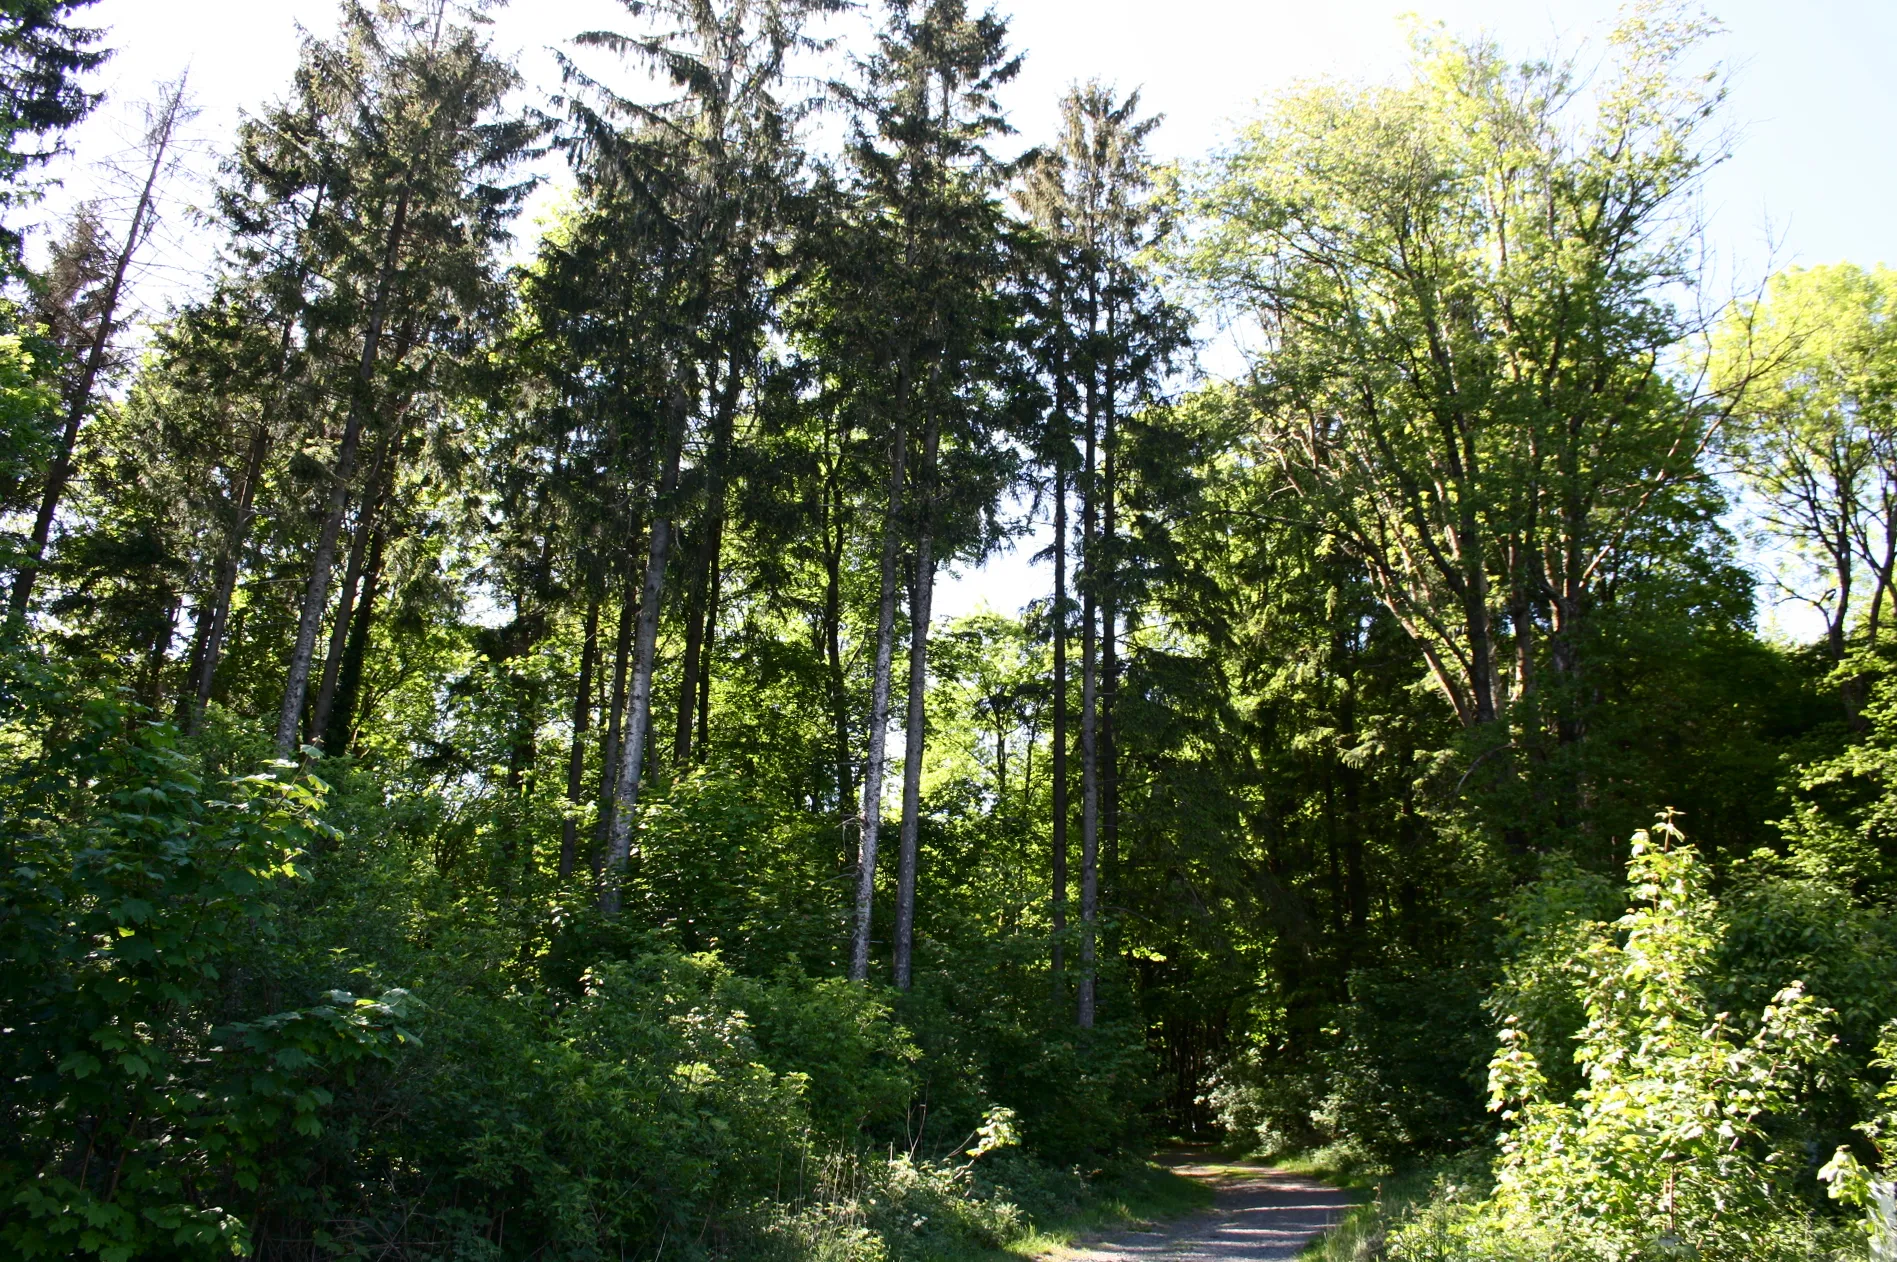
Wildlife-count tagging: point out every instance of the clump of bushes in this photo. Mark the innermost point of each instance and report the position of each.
(1682, 1135)
(233, 1026)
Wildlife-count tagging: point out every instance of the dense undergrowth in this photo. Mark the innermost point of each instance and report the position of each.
(262, 1006)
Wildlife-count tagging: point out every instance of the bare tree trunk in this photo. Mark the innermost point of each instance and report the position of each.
(645, 649)
(59, 475)
(714, 524)
(711, 641)
(833, 541)
(230, 559)
(1061, 807)
(316, 595)
(916, 730)
(683, 727)
(1089, 725)
(375, 493)
(194, 662)
(873, 764)
(229, 562)
(366, 529)
(1107, 773)
(615, 717)
(340, 729)
(576, 760)
(162, 636)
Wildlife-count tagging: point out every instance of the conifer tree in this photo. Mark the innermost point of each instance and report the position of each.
(703, 174)
(43, 56)
(412, 140)
(1089, 193)
(91, 346)
(925, 110)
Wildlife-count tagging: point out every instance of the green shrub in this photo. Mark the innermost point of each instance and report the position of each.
(1667, 1149)
(155, 1090)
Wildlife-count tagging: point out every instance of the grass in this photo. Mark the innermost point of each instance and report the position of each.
(1141, 1195)
(1387, 1197)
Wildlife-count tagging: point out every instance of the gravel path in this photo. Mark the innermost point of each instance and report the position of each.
(1260, 1213)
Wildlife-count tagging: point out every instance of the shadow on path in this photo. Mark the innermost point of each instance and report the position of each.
(1260, 1213)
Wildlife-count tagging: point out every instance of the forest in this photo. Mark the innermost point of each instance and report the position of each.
(480, 777)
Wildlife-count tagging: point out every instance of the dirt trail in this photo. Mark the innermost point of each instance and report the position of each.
(1260, 1213)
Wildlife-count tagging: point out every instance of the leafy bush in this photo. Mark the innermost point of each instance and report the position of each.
(1667, 1148)
(151, 1087)
(1873, 1189)
(1394, 1077)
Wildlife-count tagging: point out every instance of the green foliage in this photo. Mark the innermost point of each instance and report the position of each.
(27, 402)
(1386, 644)
(150, 1090)
(1813, 365)
(1871, 1188)
(1670, 1143)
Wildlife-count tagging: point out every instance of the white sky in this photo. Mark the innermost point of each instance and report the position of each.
(1814, 99)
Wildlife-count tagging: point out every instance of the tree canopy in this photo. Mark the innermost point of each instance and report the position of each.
(483, 772)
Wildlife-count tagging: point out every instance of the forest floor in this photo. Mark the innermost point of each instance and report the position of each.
(1257, 1213)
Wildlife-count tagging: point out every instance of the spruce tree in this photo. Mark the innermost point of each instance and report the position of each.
(411, 137)
(925, 110)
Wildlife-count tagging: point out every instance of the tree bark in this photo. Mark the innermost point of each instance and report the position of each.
(340, 725)
(683, 728)
(615, 717)
(366, 530)
(873, 764)
(707, 561)
(1089, 721)
(229, 562)
(316, 595)
(833, 541)
(1061, 807)
(230, 559)
(1108, 584)
(576, 759)
(915, 732)
(645, 649)
(710, 642)
(1089, 811)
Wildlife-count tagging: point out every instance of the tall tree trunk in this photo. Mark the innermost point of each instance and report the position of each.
(615, 718)
(339, 732)
(375, 494)
(709, 545)
(1108, 582)
(833, 541)
(711, 640)
(361, 399)
(366, 529)
(876, 758)
(915, 732)
(162, 636)
(1089, 809)
(216, 619)
(1089, 719)
(231, 556)
(59, 474)
(1059, 752)
(684, 728)
(523, 746)
(186, 709)
(645, 649)
(576, 760)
